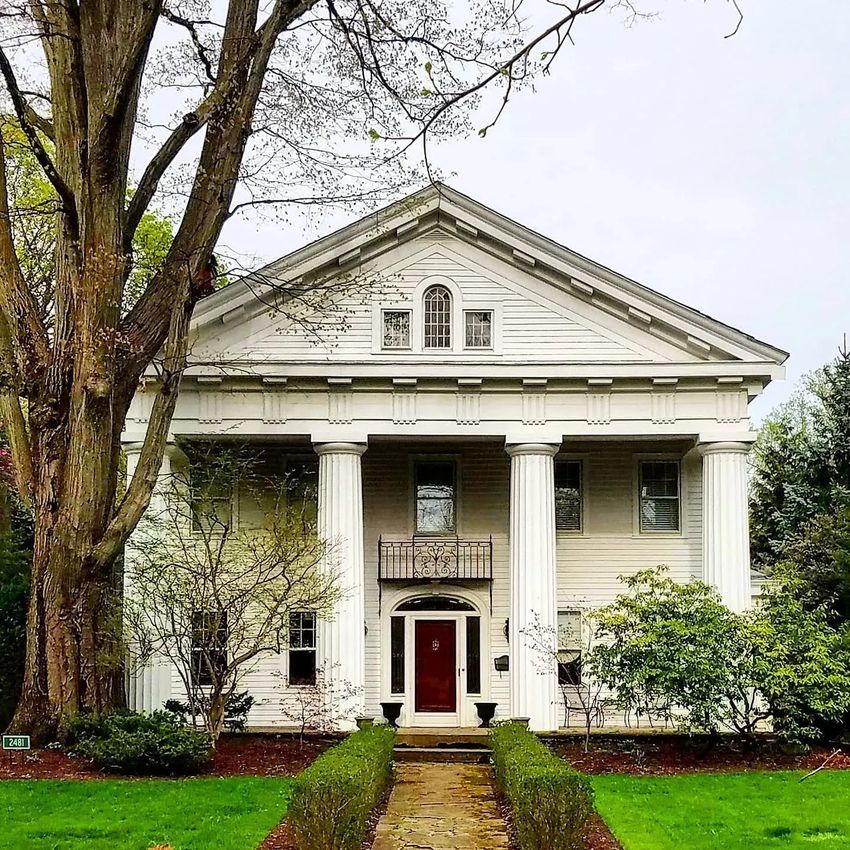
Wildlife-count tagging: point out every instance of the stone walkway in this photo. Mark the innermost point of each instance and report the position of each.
(441, 807)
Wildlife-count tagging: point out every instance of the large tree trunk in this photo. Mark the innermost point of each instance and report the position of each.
(80, 377)
(72, 657)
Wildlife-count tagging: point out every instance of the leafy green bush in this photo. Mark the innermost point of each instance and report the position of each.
(551, 801)
(130, 742)
(333, 798)
(236, 709)
(675, 651)
(666, 648)
(798, 662)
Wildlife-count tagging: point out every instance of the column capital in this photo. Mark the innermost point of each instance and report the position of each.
(339, 448)
(546, 449)
(724, 447)
(171, 451)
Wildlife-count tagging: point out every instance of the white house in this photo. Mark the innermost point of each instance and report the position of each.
(500, 428)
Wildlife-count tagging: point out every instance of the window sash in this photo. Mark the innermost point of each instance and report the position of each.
(302, 648)
(660, 496)
(569, 647)
(569, 501)
(211, 511)
(478, 329)
(396, 329)
(435, 494)
(437, 323)
(209, 646)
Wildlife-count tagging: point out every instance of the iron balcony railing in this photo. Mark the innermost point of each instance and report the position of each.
(435, 559)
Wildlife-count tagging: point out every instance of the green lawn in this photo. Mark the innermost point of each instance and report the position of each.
(732, 811)
(190, 814)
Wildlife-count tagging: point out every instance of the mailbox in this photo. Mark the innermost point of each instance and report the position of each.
(500, 662)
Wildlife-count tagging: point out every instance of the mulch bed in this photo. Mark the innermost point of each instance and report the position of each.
(267, 755)
(236, 755)
(671, 754)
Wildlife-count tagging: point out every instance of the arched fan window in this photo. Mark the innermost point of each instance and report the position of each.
(438, 317)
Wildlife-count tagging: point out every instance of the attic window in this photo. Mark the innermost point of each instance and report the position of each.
(438, 317)
(396, 329)
(478, 328)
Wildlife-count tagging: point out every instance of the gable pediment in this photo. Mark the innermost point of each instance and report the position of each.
(548, 304)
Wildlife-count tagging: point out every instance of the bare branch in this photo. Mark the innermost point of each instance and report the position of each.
(44, 160)
(21, 316)
(201, 50)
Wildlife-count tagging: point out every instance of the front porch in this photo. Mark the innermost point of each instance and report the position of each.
(452, 551)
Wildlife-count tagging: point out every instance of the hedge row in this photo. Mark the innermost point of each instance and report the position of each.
(550, 801)
(333, 798)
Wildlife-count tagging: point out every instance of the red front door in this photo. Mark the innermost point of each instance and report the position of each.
(436, 676)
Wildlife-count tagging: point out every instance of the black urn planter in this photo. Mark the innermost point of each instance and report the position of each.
(392, 711)
(485, 710)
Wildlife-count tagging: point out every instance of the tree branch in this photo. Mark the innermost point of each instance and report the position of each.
(14, 423)
(44, 160)
(45, 125)
(141, 487)
(200, 49)
(27, 336)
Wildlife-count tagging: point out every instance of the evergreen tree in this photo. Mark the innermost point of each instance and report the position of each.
(800, 487)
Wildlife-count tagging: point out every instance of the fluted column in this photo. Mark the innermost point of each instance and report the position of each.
(533, 606)
(148, 687)
(341, 640)
(726, 539)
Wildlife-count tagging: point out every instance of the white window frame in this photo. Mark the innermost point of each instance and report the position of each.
(468, 311)
(450, 318)
(382, 328)
(581, 461)
(314, 649)
(425, 458)
(579, 648)
(668, 457)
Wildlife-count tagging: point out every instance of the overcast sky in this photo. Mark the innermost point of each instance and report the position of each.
(714, 170)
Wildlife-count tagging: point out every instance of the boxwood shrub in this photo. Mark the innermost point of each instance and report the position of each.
(333, 798)
(137, 743)
(551, 802)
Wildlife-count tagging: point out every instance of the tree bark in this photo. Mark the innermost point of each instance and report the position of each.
(80, 379)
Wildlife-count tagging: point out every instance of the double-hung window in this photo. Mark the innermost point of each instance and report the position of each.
(211, 502)
(569, 647)
(302, 489)
(209, 646)
(660, 500)
(568, 495)
(302, 648)
(435, 497)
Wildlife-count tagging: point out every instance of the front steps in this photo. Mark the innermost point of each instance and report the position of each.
(467, 746)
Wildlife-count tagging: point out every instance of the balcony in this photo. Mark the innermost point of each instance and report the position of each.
(435, 559)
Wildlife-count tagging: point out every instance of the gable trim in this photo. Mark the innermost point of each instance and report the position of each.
(440, 206)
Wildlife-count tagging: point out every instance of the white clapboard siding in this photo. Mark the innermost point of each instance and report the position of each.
(589, 564)
(534, 318)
